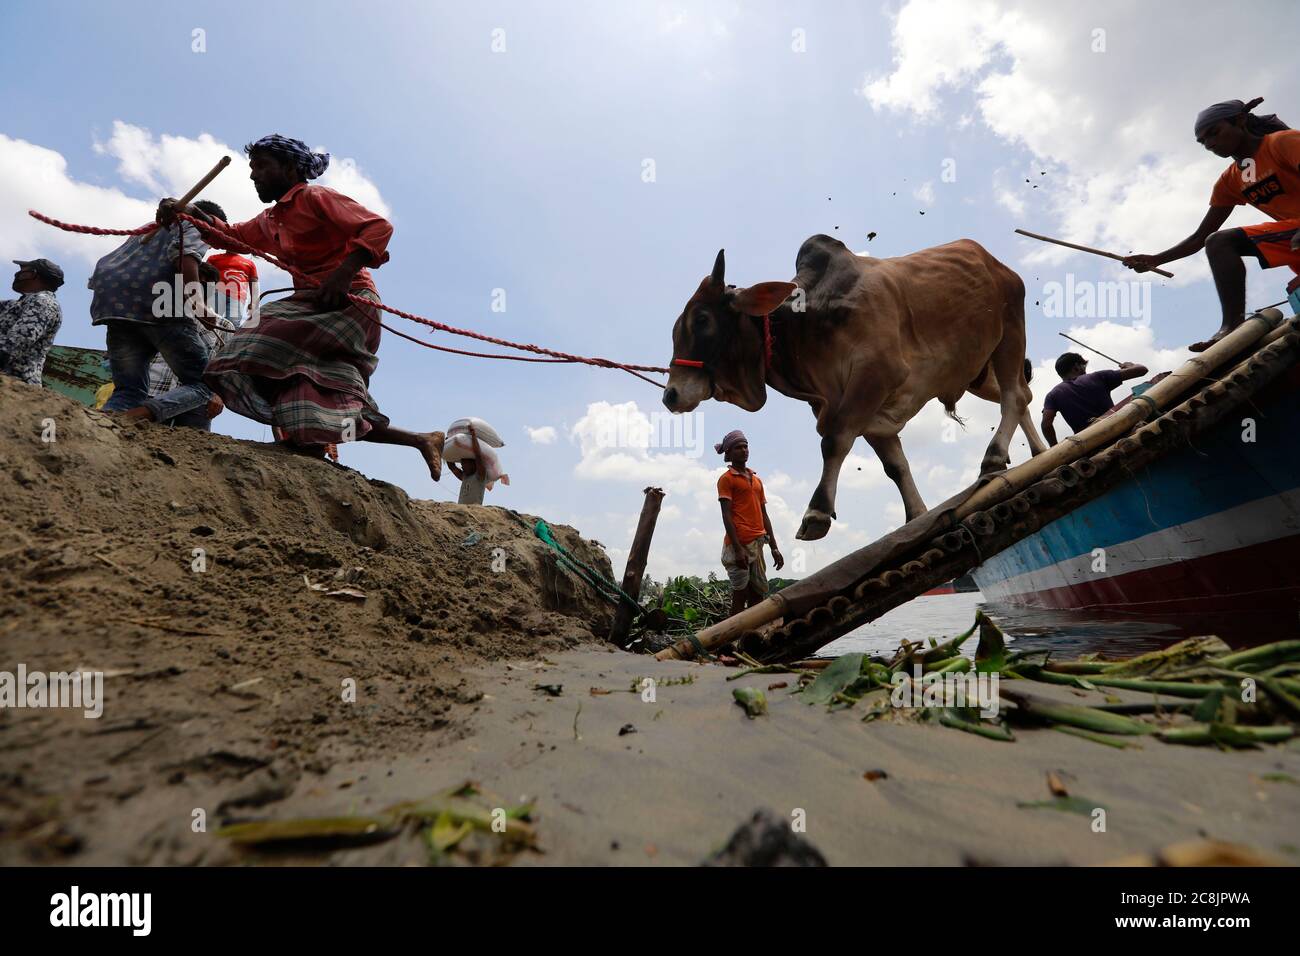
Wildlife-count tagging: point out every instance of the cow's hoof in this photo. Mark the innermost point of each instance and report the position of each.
(815, 525)
(991, 466)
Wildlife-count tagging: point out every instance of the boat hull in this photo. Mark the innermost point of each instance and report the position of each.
(1213, 527)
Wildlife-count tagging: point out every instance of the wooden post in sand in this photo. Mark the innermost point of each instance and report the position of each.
(636, 559)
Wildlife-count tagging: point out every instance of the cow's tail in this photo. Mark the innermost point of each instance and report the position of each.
(950, 409)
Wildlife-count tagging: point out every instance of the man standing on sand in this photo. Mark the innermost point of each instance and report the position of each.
(1265, 173)
(304, 366)
(747, 526)
(1082, 395)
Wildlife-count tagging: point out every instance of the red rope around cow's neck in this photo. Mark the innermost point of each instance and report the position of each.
(235, 245)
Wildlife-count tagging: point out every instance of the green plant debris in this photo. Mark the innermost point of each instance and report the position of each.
(1080, 805)
(448, 817)
(1206, 678)
(956, 719)
(1225, 735)
(842, 672)
(752, 699)
(1279, 778)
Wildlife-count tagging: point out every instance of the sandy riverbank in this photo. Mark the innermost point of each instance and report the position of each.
(223, 689)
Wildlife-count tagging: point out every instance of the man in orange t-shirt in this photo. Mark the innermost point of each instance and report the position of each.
(747, 526)
(1265, 173)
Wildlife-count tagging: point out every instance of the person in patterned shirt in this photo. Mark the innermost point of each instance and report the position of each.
(28, 323)
(138, 298)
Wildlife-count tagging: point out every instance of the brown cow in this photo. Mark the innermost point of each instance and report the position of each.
(866, 342)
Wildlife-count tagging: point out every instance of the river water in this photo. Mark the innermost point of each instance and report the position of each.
(1066, 633)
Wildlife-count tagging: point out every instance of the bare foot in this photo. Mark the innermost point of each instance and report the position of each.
(306, 450)
(431, 449)
(1202, 346)
(137, 414)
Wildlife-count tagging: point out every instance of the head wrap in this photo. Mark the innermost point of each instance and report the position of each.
(1231, 109)
(733, 438)
(295, 151)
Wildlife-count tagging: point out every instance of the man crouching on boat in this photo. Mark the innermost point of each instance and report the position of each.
(1264, 173)
(304, 365)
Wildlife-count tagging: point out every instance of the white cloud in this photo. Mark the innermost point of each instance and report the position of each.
(34, 177)
(622, 444)
(545, 435)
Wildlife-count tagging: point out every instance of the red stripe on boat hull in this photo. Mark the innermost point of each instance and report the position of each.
(1263, 577)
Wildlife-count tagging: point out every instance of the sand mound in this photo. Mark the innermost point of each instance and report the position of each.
(232, 677)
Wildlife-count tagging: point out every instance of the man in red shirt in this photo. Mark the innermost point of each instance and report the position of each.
(1265, 173)
(305, 365)
(747, 526)
(236, 287)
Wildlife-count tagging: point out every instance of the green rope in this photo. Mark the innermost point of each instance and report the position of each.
(606, 588)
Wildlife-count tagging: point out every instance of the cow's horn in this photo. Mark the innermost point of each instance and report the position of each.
(719, 270)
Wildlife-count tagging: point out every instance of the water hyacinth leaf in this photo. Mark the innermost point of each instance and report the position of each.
(462, 810)
(1080, 805)
(341, 829)
(842, 672)
(1075, 715)
(1279, 778)
(1284, 701)
(1176, 655)
(1225, 735)
(1207, 711)
(1075, 667)
(445, 832)
(956, 719)
(956, 665)
(1167, 687)
(1028, 658)
(1267, 655)
(951, 647)
(991, 652)
(752, 699)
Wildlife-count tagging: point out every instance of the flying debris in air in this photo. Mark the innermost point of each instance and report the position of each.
(870, 236)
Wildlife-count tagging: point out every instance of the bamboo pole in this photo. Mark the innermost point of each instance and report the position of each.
(636, 561)
(1090, 249)
(194, 191)
(1250, 332)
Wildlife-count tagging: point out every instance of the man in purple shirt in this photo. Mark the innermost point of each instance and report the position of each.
(1082, 396)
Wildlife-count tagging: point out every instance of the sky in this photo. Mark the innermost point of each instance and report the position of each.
(565, 173)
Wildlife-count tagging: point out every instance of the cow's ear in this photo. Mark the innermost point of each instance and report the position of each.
(717, 279)
(763, 298)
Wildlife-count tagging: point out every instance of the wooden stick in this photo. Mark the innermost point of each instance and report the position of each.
(1089, 348)
(198, 188)
(636, 561)
(1095, 252)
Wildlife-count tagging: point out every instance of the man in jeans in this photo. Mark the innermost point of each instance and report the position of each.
(138, 299)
